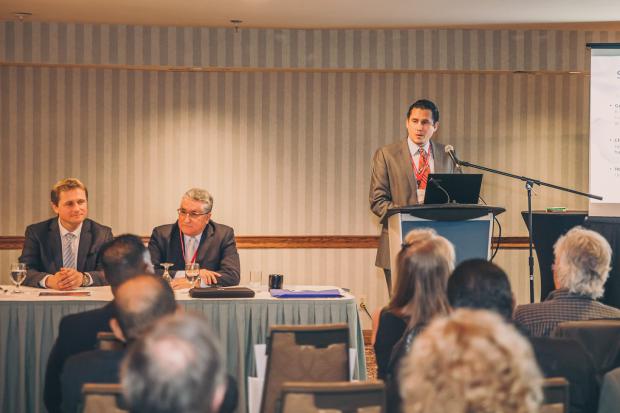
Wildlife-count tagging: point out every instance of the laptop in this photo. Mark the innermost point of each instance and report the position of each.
(455, 188)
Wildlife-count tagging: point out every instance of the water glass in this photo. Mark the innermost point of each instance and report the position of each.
(192, 271)
(256, 279)
(18, 275)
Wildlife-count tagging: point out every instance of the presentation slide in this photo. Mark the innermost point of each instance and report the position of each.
(605, 131)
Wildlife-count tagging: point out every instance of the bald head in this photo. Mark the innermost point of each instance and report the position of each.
(140, 301)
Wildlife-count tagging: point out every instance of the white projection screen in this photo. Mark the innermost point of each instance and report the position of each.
(605, 129)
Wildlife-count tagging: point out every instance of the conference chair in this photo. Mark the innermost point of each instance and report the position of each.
(310, 353)
(102, 398)
(108, 341)
(344, 397)
(556, 397)
(600, 338)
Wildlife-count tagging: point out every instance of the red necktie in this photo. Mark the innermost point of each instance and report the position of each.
(421, 173)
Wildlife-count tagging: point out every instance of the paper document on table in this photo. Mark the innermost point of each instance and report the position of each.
(333, 293)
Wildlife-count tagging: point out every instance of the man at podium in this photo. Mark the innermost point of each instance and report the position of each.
(400, 170)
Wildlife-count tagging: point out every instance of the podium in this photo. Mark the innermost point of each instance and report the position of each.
(468, 226)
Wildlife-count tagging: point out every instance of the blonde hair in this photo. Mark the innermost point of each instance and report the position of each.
(66, 184)
(470, 361)
(582, 262)
(424, 264)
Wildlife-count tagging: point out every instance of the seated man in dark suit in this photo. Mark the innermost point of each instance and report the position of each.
(122, 258)
(581, 267)
(139, 302)
(481, 284)
(176, 366)
(62, 252)
(195, 238)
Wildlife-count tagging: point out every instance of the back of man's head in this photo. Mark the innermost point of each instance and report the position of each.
(582, 262)
(141, 301)
(174, 367)
(478, 283)
(123, 257)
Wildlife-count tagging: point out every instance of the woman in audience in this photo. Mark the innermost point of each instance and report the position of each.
(470, 361)
(424, 263)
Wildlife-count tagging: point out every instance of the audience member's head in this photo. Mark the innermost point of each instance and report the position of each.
(470, 361)
(174, 367)
(478, 283)
(124, 257)
(582, 262)
(424, 264)
(140, 301)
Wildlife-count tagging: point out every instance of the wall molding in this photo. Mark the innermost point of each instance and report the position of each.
(13, 242)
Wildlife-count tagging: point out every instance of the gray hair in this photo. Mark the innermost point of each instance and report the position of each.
(200, 195)
(174, 367)
(582, 262)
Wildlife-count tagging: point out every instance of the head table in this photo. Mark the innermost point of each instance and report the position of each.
(29, 326)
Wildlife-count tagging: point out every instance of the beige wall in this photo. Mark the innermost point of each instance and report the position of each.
(283, 151)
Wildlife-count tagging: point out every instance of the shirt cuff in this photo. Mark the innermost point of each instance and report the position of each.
(90, 279)
(42, 282)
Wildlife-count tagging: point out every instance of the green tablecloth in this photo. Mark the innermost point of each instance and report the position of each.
(28, 328)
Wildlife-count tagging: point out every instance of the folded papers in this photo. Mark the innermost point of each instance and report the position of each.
(333, 293)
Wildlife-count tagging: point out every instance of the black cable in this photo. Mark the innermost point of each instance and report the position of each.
(499, 237)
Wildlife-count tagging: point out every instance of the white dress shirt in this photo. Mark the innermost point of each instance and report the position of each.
(75, 244)
(414, 150)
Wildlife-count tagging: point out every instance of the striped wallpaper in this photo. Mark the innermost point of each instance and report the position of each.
(428, 49)
(283, 152)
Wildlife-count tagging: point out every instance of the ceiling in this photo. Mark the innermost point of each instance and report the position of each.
(596, 14)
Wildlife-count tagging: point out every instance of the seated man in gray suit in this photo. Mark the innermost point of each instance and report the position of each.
(400, 170)
(63, 252)
(196, 238)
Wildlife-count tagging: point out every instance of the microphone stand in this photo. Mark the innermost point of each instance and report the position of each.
(529, 183)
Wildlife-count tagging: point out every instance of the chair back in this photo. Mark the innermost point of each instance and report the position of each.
(102, 398)
(344, 397)
(315, 353)
(555, 390)
(108, 341)
(600, 338)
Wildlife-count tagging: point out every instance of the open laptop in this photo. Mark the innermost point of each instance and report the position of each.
(458, 188)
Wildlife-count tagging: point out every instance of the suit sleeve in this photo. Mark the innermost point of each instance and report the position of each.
(98, 276)
(230, 268)
(156, 249)
(52, 390)
(380, 196)
(31, 256)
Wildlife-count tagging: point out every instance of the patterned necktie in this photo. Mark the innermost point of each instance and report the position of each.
(190, 248)
(68, 255)
(423, 169)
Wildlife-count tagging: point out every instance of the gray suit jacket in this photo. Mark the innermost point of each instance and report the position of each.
(393, 185)
(43, 250)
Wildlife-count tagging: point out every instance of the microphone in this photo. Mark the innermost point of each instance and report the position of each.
(449, 149)
(438, 185)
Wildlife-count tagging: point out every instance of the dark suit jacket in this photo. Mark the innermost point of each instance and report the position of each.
(43, 250)
(217, 250)
(392, 185)
(76, 333)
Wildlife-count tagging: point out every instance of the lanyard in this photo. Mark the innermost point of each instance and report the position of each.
(183, 249)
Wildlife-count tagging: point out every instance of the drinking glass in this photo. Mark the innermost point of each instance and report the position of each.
(166, 274)
(192, 270)
(18, 275)
(256, 279)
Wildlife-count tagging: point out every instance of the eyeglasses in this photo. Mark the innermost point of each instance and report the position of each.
(190, 214)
